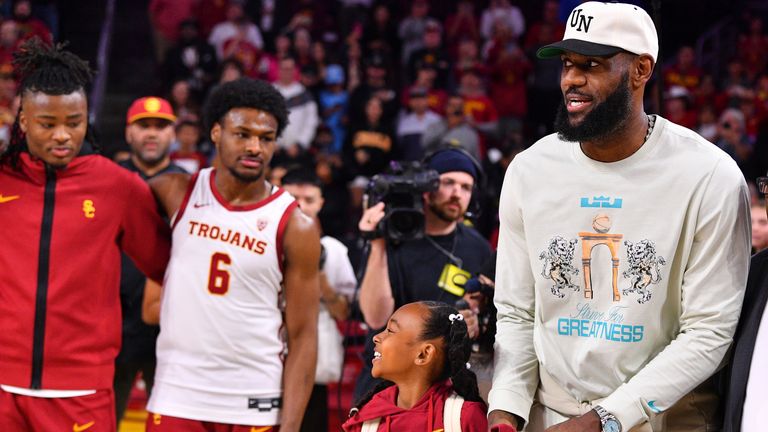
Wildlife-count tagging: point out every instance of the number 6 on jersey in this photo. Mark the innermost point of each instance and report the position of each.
(218, 276)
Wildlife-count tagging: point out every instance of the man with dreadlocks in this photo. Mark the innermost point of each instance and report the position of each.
(67, 215)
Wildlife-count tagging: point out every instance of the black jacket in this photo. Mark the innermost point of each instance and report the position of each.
(736, 375)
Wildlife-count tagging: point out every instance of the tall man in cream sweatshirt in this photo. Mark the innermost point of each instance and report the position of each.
(623, 250)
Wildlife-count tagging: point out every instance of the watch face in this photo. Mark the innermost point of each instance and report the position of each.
(611, 425)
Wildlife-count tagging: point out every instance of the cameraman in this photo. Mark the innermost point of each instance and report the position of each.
(434, 267)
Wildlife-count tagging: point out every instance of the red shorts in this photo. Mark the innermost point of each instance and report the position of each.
(164, 423)
(92, 413)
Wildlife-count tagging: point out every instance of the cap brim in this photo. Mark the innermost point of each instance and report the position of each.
(169, 117)
(579, 47)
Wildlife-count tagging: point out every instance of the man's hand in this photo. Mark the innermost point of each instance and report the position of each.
(371, 218)
(473, 326)
(499, 417)
(589, 422)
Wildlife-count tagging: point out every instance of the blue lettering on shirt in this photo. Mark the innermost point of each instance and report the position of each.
(613, 332)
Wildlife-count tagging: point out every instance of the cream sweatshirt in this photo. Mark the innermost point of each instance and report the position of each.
(623, 280)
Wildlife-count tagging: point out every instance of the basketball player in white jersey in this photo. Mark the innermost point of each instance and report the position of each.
(243, 271)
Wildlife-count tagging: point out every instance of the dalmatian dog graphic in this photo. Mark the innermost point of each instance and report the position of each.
(644, 268)
(557, 265)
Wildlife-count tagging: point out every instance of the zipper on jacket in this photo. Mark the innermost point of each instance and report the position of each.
(43, 268)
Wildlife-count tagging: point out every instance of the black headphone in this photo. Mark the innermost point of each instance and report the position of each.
(475, 205)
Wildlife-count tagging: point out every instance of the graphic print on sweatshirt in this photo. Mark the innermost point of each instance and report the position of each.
(642, 267)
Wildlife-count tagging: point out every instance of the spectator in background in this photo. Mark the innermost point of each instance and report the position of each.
(461, 25)
(28, 25)
(707, 94)
(166, 17)
(707, 123)
(452, 131)
(184, 103)
(188, 155)
(754, 115)
(411, 29)
(431, 53)
(480, 109)
(734, 141)
(368, 150)
(9, 41)
(502, 11)
(149, 133)
(319, 60)
(495, 166)
(302, 47)
(752, 48)
(677, 102)
(283, 45)
(191, 59)
(547, 30)
(209, 13)
(303, 118)
(229, 70)
(237, 30)
(412, 126)
(759, 226)
(309, 77)
(736, 84)
(761, 91)
(8, 87)
(337, 286)
(544, 78)
(9, 104)
(380, 33)
(683, 72)
(353, 64)
(426, 74)
(333, 106)
(508, 70)
(377, 83)
(467, 57)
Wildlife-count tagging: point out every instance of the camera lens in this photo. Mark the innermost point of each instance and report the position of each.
(405, 224)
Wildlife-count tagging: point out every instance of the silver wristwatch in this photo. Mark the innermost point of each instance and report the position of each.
(609, 421)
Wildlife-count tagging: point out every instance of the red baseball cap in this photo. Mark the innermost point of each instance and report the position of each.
(150, 107)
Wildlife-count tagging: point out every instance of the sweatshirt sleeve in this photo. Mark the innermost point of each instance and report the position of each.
(146, 237)
(515, 374)
(712, 292)
(473, 417)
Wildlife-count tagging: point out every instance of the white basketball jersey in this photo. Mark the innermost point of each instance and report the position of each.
(220, 349)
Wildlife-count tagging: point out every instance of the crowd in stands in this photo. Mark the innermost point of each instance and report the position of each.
(368, 82)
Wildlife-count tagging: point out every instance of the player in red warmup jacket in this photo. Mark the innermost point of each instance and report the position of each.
(66, 216)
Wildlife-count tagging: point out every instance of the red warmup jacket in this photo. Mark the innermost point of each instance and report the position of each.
(425, 416)
(63, 231)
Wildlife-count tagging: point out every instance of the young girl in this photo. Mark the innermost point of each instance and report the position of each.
(423, 355)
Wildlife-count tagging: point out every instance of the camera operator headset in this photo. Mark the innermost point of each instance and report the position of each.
(436, 266)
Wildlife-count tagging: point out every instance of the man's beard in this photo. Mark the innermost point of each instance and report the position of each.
(604, 119)
(152, 160)
(437, 210)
